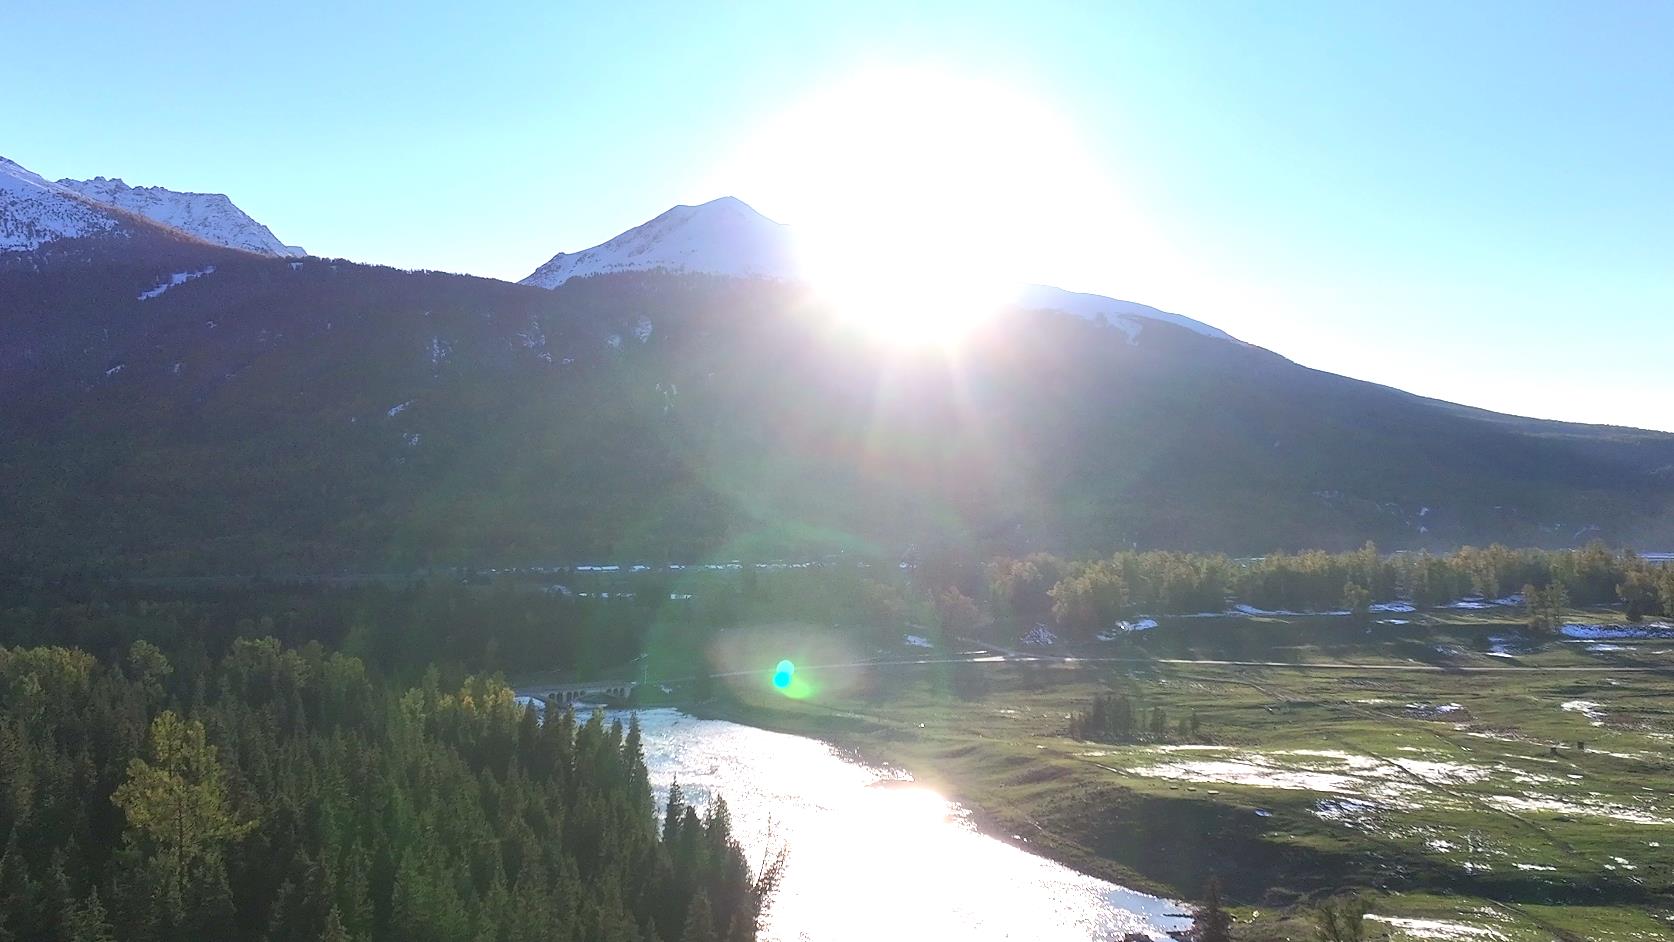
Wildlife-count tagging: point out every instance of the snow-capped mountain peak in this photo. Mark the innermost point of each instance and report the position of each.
(723, 237)
(1126, 316)
(727, 237)
(34, 212)
(209, 216)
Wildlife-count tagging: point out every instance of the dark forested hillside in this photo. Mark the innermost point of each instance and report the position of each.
(280, 416)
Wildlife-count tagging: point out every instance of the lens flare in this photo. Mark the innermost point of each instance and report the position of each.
(782, 674)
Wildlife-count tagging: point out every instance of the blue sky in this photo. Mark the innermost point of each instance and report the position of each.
(1472, 201)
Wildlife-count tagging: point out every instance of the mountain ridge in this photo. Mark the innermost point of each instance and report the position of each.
(727, 236)
(176, 406)
(724, 236)
(36, 212)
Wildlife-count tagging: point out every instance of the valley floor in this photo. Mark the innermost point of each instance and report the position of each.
(1467, 802)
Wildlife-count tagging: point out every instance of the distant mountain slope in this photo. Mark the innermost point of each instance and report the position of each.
(728, 237)
(1129, 317)
(720, 237)
(209, 216)
(306, 415)
(36, 213)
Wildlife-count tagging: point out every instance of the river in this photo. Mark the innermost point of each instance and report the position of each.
(875, 857)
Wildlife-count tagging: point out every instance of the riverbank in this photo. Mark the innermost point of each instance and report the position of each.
(1532, 804)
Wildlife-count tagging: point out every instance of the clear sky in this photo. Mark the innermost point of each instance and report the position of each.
(1473, 201)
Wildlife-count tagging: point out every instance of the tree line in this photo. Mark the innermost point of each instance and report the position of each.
(1087, 595)
(1114, 718)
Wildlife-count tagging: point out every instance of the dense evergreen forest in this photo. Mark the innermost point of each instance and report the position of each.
(291, 794)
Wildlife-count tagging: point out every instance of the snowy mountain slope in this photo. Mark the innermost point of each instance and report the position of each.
(728, 237)
(722, 237)
(211, 217)
(1127, 316)
(34, 212)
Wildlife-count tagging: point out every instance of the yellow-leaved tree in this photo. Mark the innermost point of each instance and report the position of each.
(176, 803)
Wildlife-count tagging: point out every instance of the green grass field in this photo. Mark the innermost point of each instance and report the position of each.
(1483, 797)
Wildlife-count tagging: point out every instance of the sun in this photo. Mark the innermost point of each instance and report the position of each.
(922, 200)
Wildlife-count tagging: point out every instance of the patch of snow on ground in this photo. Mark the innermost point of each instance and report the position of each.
(1250, 610)
(1320, 770)
(1597, 809)
(1393, 607)
(1591, 710)
(1125, 627)
(918, 641)
(1252, 770)
(1541, 867)
(178, 278)
(1040, 635)
(1508, 646)
(1349, 811)
(1477, 602)
(1434, 709)
(398, 408)
(1436, 928)
(1616, 632)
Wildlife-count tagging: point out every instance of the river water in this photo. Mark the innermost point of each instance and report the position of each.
(875, 857)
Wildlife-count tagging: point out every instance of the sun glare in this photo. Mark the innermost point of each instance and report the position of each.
(922, 200)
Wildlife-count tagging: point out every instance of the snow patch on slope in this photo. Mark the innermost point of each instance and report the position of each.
(209, 216)
(178, 278)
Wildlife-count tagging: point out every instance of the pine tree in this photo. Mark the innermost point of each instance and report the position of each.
(85, 921)
(1340, 920)
(177, 801)
(1214, 923)
(18, 893)
(334, 931)
(700, 924)
(676, 809)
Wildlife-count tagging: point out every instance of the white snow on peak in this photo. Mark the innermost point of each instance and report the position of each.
(209, 216)
(1126, 316)
(727, 237)
(720, 237)
(34, 212)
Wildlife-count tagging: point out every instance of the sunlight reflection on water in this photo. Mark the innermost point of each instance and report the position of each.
(872, 857)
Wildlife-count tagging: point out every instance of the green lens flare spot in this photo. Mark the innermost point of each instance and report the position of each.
(787, 683)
